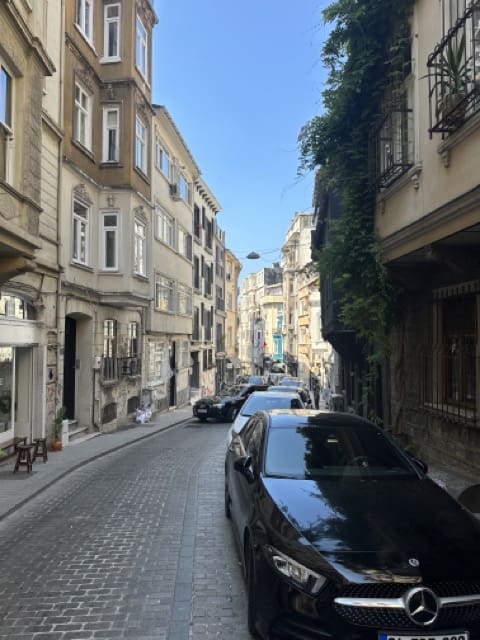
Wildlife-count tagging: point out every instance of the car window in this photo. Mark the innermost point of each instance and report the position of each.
(252, 447)
(247, 431)
(266, 402)
(332, 451)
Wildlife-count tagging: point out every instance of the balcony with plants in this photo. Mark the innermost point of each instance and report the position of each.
(454, 73)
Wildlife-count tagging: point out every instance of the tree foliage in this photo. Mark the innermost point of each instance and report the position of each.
(364, 53)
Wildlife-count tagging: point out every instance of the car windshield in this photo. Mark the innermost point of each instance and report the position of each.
(289, 382)
(266, 402)
(332, 451)
(234, 390)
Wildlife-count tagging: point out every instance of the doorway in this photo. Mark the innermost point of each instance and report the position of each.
(173, 378)
(69, 360)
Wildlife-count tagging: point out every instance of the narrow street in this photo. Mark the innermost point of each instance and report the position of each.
(134, 545)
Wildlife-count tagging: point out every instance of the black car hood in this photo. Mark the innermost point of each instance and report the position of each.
(377, 529)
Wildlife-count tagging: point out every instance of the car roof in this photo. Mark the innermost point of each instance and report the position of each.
(279, 418)
(279, 388)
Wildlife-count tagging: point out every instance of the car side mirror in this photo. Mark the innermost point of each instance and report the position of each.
(420, 464)
(244, 466)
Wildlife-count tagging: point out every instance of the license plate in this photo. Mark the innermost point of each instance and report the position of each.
(461, 635)
(202, 410)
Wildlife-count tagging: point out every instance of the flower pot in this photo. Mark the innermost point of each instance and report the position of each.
(453, 109)
(56, 445)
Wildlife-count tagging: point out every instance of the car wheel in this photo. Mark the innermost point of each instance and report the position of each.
(252, 607)
(228, 513)
(231, 413)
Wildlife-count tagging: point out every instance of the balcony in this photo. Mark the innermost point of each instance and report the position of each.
(454, 73)
(393, 143)
(130, 366)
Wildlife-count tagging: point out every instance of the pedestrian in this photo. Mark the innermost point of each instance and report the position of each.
(316, 394)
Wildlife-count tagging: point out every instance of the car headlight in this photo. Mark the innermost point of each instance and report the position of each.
(300, 576)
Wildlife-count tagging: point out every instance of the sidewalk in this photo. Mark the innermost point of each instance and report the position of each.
(18, 488)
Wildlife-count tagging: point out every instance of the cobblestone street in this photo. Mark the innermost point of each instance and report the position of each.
(134, 545)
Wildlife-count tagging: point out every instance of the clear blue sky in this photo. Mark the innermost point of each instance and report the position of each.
(240, 79)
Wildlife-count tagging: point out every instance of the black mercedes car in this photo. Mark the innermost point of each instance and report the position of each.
(343, 537)
(226, 405)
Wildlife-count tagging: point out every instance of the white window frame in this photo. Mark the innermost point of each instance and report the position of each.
(132, 340)
(184, 300)
(80, 229)
(141, 145)
(184, 188)
(106, 131)
(104, 233)
(141, 47)
(82, 117)
(140, 248)
(162, 158)
(84, 8)
(156, 353)
(165, 303)
(107, 21)
(6, 98)
(165, 227)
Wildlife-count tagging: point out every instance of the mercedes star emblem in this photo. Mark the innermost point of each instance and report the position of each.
(413, 562)
(422, 606)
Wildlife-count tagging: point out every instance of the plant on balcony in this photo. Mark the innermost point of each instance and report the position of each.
(57, 428)
(451, 75)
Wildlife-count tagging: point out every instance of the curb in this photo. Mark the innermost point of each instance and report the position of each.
(92, 458)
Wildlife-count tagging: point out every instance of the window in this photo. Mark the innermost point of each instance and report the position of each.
(165, 227)
(82, 125)
(164, 294)
(5, 98)
(5, 118)
(111, 31)
(111, 134)
(155, 362)
(109, 369)
(109, 240)
(85, 17)
(140, 145)
(80, 232)
(184, 188)
(162, 159)
(184, 300)
(139, 250)
(185, 355)
(184, 243)
(197, 225)
(196, 273)
(141, 49)
(132, 339)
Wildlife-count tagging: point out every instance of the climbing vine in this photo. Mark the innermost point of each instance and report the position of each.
(366, 51)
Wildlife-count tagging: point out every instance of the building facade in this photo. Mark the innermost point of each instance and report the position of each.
(30, 151)
(428, 224)
(233, 267)
(205, 208)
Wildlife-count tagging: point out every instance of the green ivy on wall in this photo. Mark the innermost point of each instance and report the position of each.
(366, 51)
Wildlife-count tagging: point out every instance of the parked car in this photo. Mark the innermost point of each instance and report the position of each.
(343, 536)
(264, 400)
(302, 392)
(225, 406)
(256, 380)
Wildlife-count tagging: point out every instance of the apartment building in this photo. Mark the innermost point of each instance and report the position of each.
(30, 151)
(233, 267)
(220, 313)
(261, 315)
(205, 209)
(428, 225)
(106, 209)
(296, 255)
(169, 321)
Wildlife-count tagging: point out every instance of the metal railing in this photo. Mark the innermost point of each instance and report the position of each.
(448, 385)
(130, 366)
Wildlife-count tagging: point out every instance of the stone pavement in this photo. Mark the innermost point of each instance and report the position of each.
(18, 488)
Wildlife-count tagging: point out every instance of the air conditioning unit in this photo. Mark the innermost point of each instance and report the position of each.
(175, 191)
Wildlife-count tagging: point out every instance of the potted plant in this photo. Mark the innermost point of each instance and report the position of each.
(57, 429)
(451, 74)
